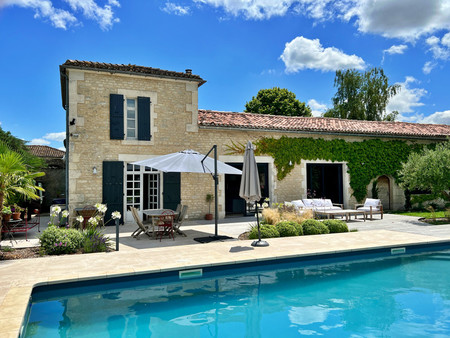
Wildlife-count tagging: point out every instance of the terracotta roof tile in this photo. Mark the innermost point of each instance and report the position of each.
(45, 151)
(209, 118)
(131, 69)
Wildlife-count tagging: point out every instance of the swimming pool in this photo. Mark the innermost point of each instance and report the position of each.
(407, 295)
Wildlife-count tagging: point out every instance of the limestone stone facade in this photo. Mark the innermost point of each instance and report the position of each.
(174, 127)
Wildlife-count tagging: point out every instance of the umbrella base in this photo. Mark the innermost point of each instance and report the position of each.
(260, 243)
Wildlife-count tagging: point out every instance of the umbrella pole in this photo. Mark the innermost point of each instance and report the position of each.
(216, 203)
(259, 242)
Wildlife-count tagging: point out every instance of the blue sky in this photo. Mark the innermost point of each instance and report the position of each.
(238, 46)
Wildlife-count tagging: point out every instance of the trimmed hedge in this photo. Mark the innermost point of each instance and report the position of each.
(314, 227)
(57, 241)
(267, 231)
(287, 228)
(336, 225)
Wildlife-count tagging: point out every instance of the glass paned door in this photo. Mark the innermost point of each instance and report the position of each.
(142, 189)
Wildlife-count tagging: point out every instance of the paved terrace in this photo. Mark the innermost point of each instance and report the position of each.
(145, 255)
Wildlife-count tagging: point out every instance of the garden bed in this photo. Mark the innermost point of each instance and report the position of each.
(8, 254)
(435, 221)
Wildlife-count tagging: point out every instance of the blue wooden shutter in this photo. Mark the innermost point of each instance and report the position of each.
(116, 118)
(171, 190)
(144, 118)
(113, 188)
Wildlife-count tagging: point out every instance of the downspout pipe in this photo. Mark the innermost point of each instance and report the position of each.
(66, 108)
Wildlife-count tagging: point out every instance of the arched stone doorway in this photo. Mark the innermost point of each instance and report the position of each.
(384, 191)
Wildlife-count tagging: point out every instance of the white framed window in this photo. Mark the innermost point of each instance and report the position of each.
(142, 189)
(131, 119)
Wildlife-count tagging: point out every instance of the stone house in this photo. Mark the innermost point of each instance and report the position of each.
(118, 114)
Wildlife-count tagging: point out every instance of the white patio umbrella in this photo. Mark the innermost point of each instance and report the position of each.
(190, 161)
(250, 189)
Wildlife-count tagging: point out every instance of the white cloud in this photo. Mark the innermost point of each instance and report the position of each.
(440, 48)
(302, 53)
(39, 141)
(172, 8)
(317, 109)
(442, 117)
(62, 18)
(251, 9)
(55, 136)
(405, 19)
(407, 100)
(428, 67)
(396, 49)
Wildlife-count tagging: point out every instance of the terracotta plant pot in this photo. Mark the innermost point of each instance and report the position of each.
(6, 217)
(209, 217)
(16, 215)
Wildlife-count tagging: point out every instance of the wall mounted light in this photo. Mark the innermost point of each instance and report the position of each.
(94, 170)
(72, 122)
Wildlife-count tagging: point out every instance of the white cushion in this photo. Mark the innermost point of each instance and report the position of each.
(298, 204)
(372, 202)
(308, 202)
(368, 209)
(318, 202)
(327, 202)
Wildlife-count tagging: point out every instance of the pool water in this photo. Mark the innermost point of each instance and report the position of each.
(407, 296)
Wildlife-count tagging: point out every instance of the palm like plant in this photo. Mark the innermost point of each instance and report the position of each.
(15, 177)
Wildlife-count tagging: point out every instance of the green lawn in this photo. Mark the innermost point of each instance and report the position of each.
(425, 214)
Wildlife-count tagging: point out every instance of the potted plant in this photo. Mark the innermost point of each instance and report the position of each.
(209, 199)
(6, 213)
(16, 212)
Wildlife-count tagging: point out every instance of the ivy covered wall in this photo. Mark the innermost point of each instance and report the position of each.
(365, 160)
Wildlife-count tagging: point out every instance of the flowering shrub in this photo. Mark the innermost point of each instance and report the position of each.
(56, 241)
(95, 241)
(54, 217)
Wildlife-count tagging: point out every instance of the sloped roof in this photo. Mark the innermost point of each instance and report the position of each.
(45, 151)
(209, 118)
(110, 67)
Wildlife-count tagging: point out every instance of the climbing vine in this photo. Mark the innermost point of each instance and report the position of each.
(365, 160)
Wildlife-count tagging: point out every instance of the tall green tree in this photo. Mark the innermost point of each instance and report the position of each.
(277, 101)
(429, 170)
(362, 96)
(17, 145)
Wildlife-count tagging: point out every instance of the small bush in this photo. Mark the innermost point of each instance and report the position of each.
(57, 241)
(95, 241)
(287, 229)
(267, 231)
(336, 225)
(314, 227)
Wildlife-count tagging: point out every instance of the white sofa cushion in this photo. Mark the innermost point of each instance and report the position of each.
(327, 203)
(318, 202)
(298, 204)
(372, 202)
(308, 202)
(368, 208)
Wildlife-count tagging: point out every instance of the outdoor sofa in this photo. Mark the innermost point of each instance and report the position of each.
(316, 204)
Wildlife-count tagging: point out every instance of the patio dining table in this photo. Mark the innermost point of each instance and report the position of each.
(156, 214)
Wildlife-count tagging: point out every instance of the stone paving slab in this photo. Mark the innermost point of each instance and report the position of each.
(18, 277)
